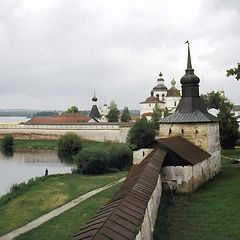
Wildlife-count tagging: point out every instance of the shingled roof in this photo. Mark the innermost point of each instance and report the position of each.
(122, 216)
(190, 117)
(184, 149)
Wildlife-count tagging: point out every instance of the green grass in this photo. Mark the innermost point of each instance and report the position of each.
(212, 212)
(47, 144)
(48, 193)
(231, 153)
(67, 224)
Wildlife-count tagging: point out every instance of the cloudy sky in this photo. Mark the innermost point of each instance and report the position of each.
(55, 53)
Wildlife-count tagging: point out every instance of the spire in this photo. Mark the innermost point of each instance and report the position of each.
(189, 62)
(191, 100)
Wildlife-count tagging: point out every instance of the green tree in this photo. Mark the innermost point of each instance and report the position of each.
(228, 125)
(125, 117)
(72, 109)
(156, 116)
(234, 72)
(7, 142)
(69, 144)
(113, 113)
(142, 133)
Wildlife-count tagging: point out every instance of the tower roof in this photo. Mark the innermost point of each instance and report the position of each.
(191, 107)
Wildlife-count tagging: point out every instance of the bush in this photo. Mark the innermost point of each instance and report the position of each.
(7, 142)
(119, 156)
(92, 161)
(142, 133)
(69, 143)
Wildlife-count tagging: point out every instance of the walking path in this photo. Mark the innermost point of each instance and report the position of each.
(37, 222)
(232, 158)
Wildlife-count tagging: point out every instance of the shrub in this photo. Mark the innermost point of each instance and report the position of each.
(92, 161)
(142, 133)
(7, 142)
(69, 143)
(120, 156)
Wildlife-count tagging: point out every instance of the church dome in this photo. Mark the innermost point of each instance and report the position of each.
(152, 98)
(160, 86)
(190, 78)
(173, 92)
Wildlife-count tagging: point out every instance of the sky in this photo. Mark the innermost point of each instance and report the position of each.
(56, 53)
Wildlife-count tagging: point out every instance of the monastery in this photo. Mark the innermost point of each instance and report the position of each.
(186, 154)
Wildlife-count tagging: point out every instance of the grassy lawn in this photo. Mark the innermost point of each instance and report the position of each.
(67, 224)
(47, 144)
(46, 194)
(212, 212)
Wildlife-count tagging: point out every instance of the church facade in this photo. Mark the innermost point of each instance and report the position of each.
(160, 97)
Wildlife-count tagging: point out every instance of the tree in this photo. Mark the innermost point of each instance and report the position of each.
(7, 142)
(228, 125)
(125, 117)
(234, 72)
(113, 113)
(142, 133)
(156, 116)
(70, 144)
(72, 109)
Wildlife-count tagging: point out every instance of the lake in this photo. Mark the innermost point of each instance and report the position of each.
(13, 119)
(26, 164)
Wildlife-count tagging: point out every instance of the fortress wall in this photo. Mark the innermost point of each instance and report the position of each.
(140, 154)
(97, 132)
(148, 224)
(189, 178)
(196, 133)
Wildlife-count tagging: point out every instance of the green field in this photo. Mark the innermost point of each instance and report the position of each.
(67, 224)
(47, 144)
(210, 213)
(45, 194)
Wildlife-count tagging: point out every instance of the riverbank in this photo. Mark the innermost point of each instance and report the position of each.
(211, 212)
(46, 144)
(45, 194)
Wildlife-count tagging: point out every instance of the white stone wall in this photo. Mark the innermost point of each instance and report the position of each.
(147, 227)
(140, 154)
(96, 132)
(148, 107)
(188, 178)
(170, 103)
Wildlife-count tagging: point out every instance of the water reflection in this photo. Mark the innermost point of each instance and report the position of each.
(7, 152)
(24, 164)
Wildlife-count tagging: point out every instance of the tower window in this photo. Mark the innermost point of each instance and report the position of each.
(182, 131)
(170, 131)
(175, 104)
(163, 97)
(196, 131)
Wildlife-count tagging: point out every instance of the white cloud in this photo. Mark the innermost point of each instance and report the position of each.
(57, 52)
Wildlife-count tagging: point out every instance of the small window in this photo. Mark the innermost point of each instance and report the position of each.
(149, 105)
(175, 104)
(196, 131)
(182, 131)
(170, 131)
(163, 97)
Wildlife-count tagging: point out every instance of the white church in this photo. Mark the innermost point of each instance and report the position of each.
(161, 97)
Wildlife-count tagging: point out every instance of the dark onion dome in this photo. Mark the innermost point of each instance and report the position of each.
(94, 99)
(189, 77)
(191, 107)
(160, 86)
